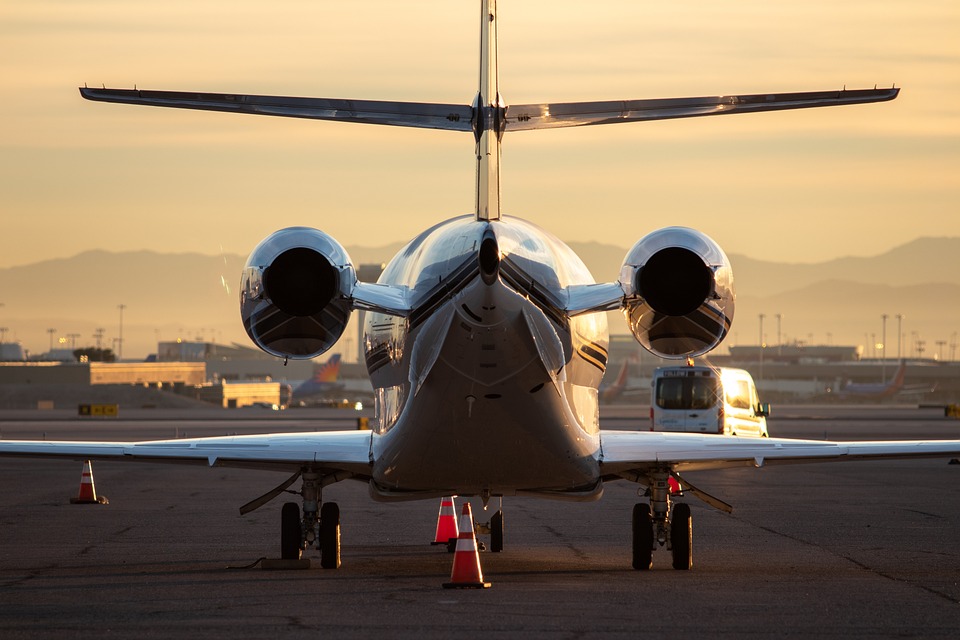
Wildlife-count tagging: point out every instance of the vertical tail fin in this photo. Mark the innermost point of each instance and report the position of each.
(488, 117)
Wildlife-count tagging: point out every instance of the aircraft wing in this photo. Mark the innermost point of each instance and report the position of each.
(453, 117)
(332, 451)
(523, 117)
(631, 453)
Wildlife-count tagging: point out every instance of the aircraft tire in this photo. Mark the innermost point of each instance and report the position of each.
(681, 537)
(330, 535)
(642, 537)
(290, 532)
(496, 532)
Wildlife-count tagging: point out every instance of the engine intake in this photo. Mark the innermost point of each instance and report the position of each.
(295, 293)
(680, 297)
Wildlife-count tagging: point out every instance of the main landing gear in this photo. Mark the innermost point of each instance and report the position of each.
(321, 530)
(662, 523)
(494, 528)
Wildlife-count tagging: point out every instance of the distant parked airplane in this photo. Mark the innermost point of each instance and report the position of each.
(885, 389)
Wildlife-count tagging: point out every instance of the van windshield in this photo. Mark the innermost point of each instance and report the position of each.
(687, 393)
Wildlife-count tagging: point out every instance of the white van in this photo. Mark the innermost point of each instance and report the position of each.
(702, 399)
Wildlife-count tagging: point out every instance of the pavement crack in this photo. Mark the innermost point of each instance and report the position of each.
(17, 582)
(925, 513)
(856, 563)
(899, 580)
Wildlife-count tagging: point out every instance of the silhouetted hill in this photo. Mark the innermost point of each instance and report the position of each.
(195, 296)
(920, 261)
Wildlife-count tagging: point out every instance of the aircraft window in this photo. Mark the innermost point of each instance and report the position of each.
(738, 394)
(686, 393)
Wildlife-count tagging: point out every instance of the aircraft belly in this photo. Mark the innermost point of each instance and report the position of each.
(466, 443)
(487, 411)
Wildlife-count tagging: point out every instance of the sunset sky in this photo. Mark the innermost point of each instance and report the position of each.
(801, 186)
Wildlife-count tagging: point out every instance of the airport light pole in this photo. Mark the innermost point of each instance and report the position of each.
(51, 332)
(899, 336)
(883, 346)
(779, 341)
(120, 339)
(761, 345)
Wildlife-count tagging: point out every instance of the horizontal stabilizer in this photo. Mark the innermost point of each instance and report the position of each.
(524, 117)
(403, 114)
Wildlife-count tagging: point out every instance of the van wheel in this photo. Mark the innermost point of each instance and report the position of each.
(681, 537)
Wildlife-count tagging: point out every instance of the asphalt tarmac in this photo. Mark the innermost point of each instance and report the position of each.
(862, 549)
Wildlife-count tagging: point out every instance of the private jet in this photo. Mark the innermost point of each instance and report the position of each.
(486, 338)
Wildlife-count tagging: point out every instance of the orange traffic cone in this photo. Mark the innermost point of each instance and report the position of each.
(88, 493)
(466, 572)
(446, 523)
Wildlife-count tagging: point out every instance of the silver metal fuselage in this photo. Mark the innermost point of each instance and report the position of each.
(488, 387)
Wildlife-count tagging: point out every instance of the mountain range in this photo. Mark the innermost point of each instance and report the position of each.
(191, 296)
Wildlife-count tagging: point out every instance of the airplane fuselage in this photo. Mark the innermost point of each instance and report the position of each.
(488, 387)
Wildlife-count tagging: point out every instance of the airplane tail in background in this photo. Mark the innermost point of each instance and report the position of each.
(612, 392)
(900, 375)
(329, 371)
(325, 380)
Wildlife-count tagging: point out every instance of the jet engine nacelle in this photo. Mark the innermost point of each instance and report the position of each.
(295, 293)
(679, 292)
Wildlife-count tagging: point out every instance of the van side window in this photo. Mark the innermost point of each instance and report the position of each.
(686, 393)
(738, 394)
